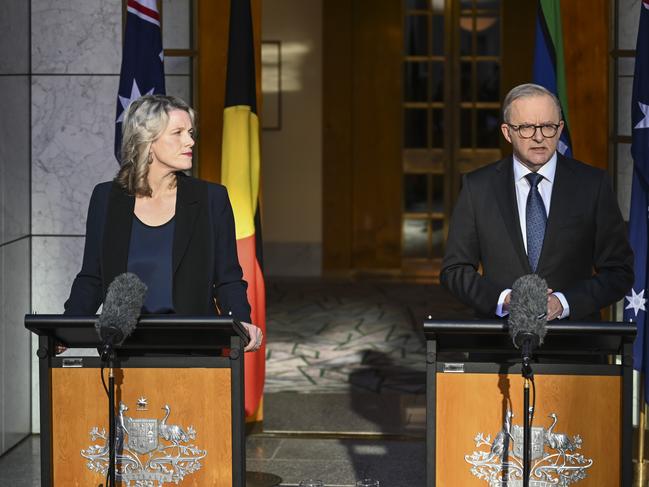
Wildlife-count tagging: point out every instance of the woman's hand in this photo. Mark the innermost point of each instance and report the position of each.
(256, 337)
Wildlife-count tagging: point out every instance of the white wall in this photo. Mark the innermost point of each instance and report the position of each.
(292, 156)
(75, 66)
(14, 223)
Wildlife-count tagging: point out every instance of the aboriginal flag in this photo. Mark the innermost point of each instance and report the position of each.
(548, 69)
(240, 171)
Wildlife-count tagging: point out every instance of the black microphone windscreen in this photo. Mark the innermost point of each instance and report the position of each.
(122, 306)
(528, 306)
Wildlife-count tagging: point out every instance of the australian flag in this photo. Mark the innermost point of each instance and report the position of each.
(142, 70)
(635, 309)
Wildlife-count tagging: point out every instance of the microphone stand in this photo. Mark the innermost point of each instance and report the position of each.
(111, 422)
(528, 342)
(108, 356)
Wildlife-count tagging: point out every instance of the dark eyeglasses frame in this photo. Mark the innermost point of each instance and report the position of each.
(553, 127)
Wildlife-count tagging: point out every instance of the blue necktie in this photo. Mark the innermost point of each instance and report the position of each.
(536, 219)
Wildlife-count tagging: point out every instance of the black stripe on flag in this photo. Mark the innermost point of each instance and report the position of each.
(240, 84)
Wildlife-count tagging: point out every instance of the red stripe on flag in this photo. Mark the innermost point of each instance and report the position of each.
(255, 362)
(144, 10)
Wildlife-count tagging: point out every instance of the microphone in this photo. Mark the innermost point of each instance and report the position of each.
(527, 312)
(122, 308)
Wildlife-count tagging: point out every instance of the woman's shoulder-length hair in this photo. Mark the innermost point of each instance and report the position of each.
(144, 121)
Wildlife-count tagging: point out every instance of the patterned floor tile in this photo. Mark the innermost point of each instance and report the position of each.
(330, 336)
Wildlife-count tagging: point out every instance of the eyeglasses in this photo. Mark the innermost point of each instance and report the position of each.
(548, 130)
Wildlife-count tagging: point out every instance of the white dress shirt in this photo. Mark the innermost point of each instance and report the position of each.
(522, 185)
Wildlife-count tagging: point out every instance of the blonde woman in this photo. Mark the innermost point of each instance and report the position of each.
(174, 231)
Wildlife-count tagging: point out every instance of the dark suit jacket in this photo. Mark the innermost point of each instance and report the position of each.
(204, 255)
(585, 254)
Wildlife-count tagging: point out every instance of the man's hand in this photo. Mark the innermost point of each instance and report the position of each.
(554, 307)
(256, 337)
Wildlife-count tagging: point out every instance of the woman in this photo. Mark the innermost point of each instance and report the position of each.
(173, 231)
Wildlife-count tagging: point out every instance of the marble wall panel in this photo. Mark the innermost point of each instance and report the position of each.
(628, 15)
(72, 148)
(624, 91)
(76, 36)
(177, 65)
(55, 262)
(14, 342)
(14, 158)
(14, 37)
(176, 32)
(180, 86)
(626, 66)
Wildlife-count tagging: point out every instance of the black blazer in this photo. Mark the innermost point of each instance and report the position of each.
(585, 253)
(204, 255)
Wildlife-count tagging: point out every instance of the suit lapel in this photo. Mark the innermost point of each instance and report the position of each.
(186, 212)
(559, 203)
(505, 192)
(117, 234)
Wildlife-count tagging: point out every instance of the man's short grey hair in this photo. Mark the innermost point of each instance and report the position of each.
(525, 91)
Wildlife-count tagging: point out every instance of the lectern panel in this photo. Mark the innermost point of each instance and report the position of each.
(577, 428)
(172, 424)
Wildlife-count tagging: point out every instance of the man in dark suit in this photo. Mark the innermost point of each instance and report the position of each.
(537, 212)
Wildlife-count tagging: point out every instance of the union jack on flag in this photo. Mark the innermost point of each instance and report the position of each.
(142, 70)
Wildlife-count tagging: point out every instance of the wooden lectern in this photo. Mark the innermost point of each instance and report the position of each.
(179, 403)
(581, 430)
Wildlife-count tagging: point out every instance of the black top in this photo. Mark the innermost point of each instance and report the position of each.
(149, 257)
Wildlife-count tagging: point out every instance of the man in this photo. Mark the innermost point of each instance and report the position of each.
(537, 212)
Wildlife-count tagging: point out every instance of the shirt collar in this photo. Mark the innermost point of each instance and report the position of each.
(547, 170)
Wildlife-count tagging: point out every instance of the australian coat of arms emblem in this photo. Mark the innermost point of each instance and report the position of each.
(149, 452)
(555, 461)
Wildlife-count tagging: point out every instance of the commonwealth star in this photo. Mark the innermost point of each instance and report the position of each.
(636, 301)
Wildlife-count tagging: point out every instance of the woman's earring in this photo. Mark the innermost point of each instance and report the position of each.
(150, 158)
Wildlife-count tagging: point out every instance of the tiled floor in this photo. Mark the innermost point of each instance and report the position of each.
(338, 336)
(20, 466)
(345, 385)
(337, 462)
(356, 412)
(347, 358)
